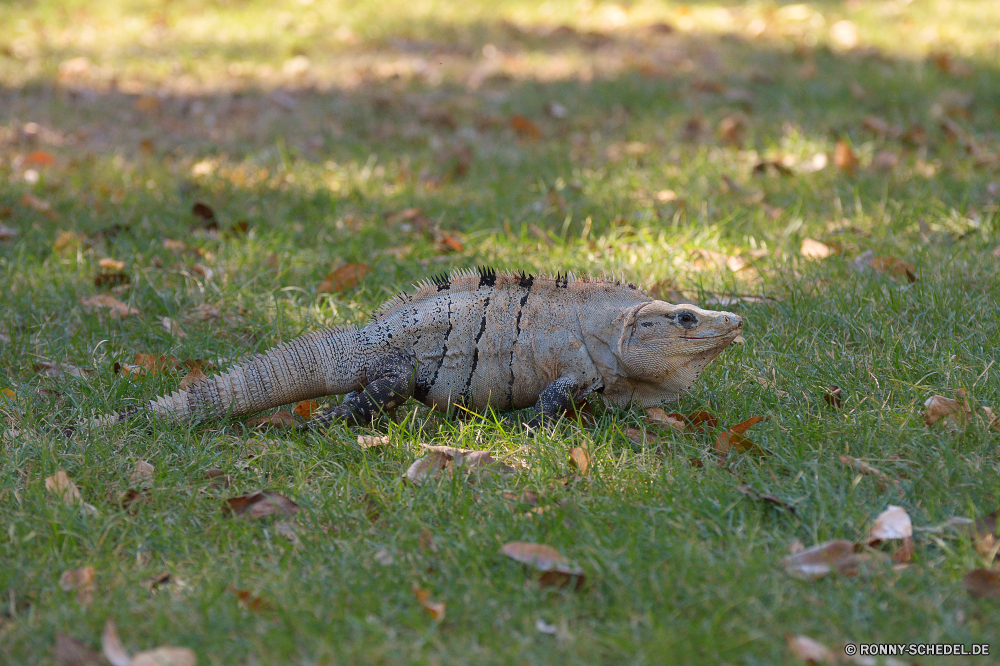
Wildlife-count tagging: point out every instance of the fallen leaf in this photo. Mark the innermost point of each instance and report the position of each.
(815, 250)
(885, 160)
(280, 419)
(173, 328)
(60, 485)
(109, 264)
(822, 559)
(246, 599)
(938, 407)
(904, 553)
(59, 369)
(879, 126)
(733, 437)
(261, 503)
(448, 243)
(44, 207)
(162, 656)
(893, 523)
(895, 267)
(433, 608)
(347, 276)
(864, 468)
(545, 628)
(372, 441)
(71, 652)
(556, 569)
(203, 211)
(218, 478)
(732, 129)
(810, 650)
(765, 497)
(153, 582)
(109, 280)
(448, 458)
(109, 302)
(287, 530)
(991, 421)
(83, 580)
(39, 158)
(305, 408)
(833, 396)
(195, 376)
(524, 127)
(985, 535)
(982, 584)
(844, 158)
(154, 364)
(657, 416)
(579, 458)
(384, 557)
(142, 472)
(6, 233)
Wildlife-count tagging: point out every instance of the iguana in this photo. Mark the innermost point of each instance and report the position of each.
(476, 339)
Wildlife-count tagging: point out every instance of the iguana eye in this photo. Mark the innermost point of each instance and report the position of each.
(686, 318)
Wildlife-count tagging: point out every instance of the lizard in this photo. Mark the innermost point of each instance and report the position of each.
(475, 339)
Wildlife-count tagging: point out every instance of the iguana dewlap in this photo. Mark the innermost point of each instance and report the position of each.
(477, 339)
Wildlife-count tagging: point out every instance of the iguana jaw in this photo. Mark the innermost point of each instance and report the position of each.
(662, 348)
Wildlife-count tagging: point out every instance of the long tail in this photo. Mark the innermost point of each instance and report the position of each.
(326, 362)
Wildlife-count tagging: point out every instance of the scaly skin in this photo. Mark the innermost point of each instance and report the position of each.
(477, 339)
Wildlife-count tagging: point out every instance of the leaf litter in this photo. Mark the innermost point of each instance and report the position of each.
(557, 570)
(448, 459)
(162, 656)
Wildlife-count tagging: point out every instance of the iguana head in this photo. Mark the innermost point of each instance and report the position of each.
(662, 348)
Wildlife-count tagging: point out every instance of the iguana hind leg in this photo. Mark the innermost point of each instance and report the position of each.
(556, 398)
(391, 386)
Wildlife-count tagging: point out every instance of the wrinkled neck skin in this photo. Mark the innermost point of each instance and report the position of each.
(653, 351)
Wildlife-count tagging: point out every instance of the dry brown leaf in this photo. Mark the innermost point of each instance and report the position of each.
(525, 127)
(153, 582)
(448, 458)
(44, 207)
(866, 469)
(38, 158)
(63, 488)
(59, 369)
(280, 419)
(109, 280)
(822, 559)
(6, 233)
(733, 437)
(83, 580)
(110, 303)
(305, 408)
(110, 264)
(173, 328)
(991, 421)
(810, 650)
(448, 243)
(982, 584)
(938, 407)
(344, 277)
(833, 396)
(261, 503)
(885, 160)
(879, 126)
(815, 250)
(71, 652)
(372, 441)
(893, 523)
(895, 267)
(203, 211)
(765, 497)
(985, 535)
(905, 552)
(142, 472)
(218, 478)
(195, 376)
(657, 416)
(556, 569)
(732, 129)
(433, 608)
(161, 656)
(844, 158)
(248, 600)
(579, 458)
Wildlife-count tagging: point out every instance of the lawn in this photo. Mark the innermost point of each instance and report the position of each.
(235, 174)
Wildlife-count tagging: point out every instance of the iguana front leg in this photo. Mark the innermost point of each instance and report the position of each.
(390, 386)
(557, 397)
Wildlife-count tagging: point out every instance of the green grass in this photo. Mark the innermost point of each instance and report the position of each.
(409, 106)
